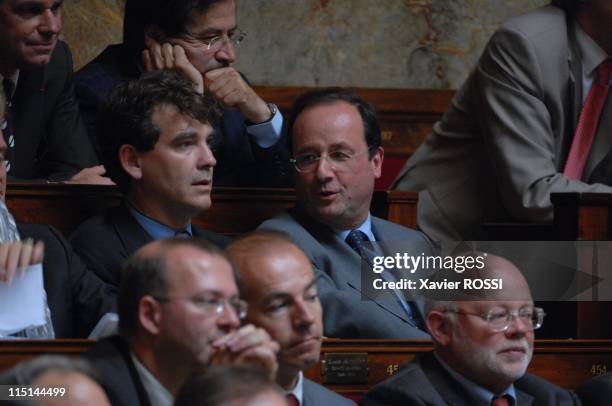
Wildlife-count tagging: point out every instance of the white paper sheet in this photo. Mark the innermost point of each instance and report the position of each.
(22, 303)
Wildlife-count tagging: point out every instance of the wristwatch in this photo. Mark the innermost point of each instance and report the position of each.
(273, 111)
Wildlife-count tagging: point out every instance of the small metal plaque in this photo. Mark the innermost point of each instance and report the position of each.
(345, 368)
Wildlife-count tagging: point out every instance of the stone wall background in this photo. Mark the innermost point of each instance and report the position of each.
(360, 43)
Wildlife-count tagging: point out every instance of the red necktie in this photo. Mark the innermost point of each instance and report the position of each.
(292, 400)
(502, 401)
(588, 121)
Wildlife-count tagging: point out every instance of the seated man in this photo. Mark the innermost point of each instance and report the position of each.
(511, 136)
(197, 39)
(72, 380)
(157, 134)
(179, 312)
(234, 385)
(337, 154)
(75, 296)
(43, 128)
(278, 283)
(483, 343)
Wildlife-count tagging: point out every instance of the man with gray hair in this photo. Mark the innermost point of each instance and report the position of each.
(483, 344)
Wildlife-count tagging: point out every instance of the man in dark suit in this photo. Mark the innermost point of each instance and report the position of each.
(337, 153)
(179, 312)
(45, 134)
(505, 143)
(279, 285)
(483, 343)
(198, 39)
(75, 296)
(157, 131)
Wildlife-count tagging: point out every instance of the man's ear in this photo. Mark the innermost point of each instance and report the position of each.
(130, 161)
(150, 315)
(439, 327)
(377, 160)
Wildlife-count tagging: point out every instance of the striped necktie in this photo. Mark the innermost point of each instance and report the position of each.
(7, 125)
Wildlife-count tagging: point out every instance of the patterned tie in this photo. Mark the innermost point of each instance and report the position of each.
(358, 241)
(7, 127)
(292, 400)
(588, 121)
(500, 401)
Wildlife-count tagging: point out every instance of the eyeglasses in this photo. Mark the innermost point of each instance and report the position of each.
(500, 319)
(338, 160)
(214, 305)
(217, 42)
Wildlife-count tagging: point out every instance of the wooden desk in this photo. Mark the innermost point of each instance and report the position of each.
(234, 210)
(566, 363)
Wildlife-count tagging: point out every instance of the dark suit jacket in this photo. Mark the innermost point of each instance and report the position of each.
(426, 382)
(117, 373)
(77, 298)
(240, 161)
(50, 139)
(105, 241)
(314, 395)
(596, 391)
(351, 309)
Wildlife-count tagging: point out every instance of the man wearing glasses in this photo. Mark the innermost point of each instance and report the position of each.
(179, 312)
(198, 39)
(336, 147)
(482, 348)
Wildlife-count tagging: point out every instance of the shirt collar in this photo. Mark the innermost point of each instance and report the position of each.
(155, 229)
(592, 54)
(366, 227)
(13, 78)
(298, 390)
(158, 394)
(477, 391)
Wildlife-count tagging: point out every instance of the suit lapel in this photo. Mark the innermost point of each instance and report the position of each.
(349, 263)
(129, 232)
(523, 398)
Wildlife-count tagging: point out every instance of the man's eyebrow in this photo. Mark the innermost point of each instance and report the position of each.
(211, 31)
(311, 284)
(184, 136)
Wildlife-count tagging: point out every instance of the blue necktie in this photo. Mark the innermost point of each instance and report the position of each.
(359, 241)
(7, 127)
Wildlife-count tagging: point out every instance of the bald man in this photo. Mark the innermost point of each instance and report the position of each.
(483, 343)
(277, 281)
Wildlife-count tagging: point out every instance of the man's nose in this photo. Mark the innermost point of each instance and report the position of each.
(51, 22)
(325, 169)
(206, 157)
(227, 52)
(303, 314)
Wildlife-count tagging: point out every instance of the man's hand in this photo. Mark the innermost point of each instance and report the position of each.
(228, 87)
(247, 346)
(167, 56)
(91, 176)
(16, 256)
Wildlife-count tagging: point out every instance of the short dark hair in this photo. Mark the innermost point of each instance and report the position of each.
(125, 117)
(220, 385)
(146, 275)
(371, 127)
(169, 16)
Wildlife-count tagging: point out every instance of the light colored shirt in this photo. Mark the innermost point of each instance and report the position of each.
(365, 227)
(592, 57)
(267, 133)
(158, 394)
(298, 390)
(155, 229)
